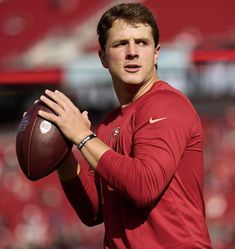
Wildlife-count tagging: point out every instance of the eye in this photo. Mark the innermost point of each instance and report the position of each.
(119, 44)
(141, 42)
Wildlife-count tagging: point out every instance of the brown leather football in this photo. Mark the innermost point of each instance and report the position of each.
(40, 146)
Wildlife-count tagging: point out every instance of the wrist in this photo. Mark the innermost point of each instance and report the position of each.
(85, 140)
(81, 136)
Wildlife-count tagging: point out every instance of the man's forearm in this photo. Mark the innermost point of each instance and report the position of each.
(69, 169)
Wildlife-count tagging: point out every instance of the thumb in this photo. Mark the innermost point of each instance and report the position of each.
(86, 118)
(85, 114)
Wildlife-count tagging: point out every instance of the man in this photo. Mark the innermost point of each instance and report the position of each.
(145, 173)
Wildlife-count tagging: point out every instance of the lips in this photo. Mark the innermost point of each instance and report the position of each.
(132, 68)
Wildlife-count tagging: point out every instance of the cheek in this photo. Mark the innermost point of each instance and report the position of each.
(115, 56)
(114, 59)
(151, 57)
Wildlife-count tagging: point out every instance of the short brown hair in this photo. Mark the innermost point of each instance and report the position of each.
(132, 13)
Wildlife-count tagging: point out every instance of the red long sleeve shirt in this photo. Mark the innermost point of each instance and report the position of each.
(148, 188)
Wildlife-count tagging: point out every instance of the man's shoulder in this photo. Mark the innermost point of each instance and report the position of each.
(164, 100)
(163, 92)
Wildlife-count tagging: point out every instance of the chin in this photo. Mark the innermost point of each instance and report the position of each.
(133, 81)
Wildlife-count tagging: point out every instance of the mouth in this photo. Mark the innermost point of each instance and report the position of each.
(132, 68)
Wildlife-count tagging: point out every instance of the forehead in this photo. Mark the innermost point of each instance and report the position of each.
(122, 29)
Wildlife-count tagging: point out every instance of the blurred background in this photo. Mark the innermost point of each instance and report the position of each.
(53, 44)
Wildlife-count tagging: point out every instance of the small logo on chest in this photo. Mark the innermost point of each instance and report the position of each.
(115, 134)
(113, 139)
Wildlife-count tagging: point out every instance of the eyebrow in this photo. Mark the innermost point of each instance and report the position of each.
(127, 40)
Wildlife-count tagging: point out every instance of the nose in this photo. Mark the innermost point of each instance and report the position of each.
(132, 51)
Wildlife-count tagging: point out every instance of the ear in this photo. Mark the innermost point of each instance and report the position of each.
(102, 58)
(157, 51)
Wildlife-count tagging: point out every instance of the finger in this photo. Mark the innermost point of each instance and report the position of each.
(64, 97)
(48, 116)
(66, 102)
(56, 95)
(59, 98)
(36, 101)
(52, 95)
(24, 114)
(85, 114)
(52, 105)
(86, 118)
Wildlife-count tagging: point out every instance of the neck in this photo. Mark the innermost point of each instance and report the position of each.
(128, 93)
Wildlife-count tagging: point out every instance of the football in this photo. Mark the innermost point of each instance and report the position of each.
(40, 146)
